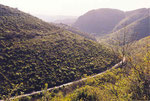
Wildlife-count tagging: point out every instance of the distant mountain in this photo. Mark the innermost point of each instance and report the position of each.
(134, 31)
(105, 21)
(100, 21)
(132, 16)
(69, 20)
(33, 53)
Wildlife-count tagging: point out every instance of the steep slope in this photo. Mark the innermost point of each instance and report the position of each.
(132, 16)
(135, 31)
(33, 52)
(127, 83)
(142, 47)
(100, 21)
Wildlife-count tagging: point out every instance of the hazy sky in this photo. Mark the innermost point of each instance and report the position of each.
(72, 7)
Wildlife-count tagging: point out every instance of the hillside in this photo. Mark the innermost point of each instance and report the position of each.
(100, 21)
(135, 31)
(76, 31)
(33, 52)
(142, 46)
(132, 16)
(129, 82)
(123, 84)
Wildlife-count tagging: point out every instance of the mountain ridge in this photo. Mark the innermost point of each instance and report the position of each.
(99, 21)
(133, 32)
(93, 19)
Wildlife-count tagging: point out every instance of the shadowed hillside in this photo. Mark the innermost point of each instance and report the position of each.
(100, 21)
(135, 31)
(132, 16)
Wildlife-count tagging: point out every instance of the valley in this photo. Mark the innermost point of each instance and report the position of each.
(102, 55)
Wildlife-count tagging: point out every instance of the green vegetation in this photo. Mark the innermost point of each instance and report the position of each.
(76, 31)
(35, 55)
(33, 52)
(142, 46)
(131, 82)
(127, 83)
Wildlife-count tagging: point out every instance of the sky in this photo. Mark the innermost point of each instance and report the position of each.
(72, 7)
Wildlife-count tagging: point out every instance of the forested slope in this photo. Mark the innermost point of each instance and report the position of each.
(129, 82)
(76, 31)
(33, 52)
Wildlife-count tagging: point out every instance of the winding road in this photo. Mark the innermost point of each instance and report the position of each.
(70, 83)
